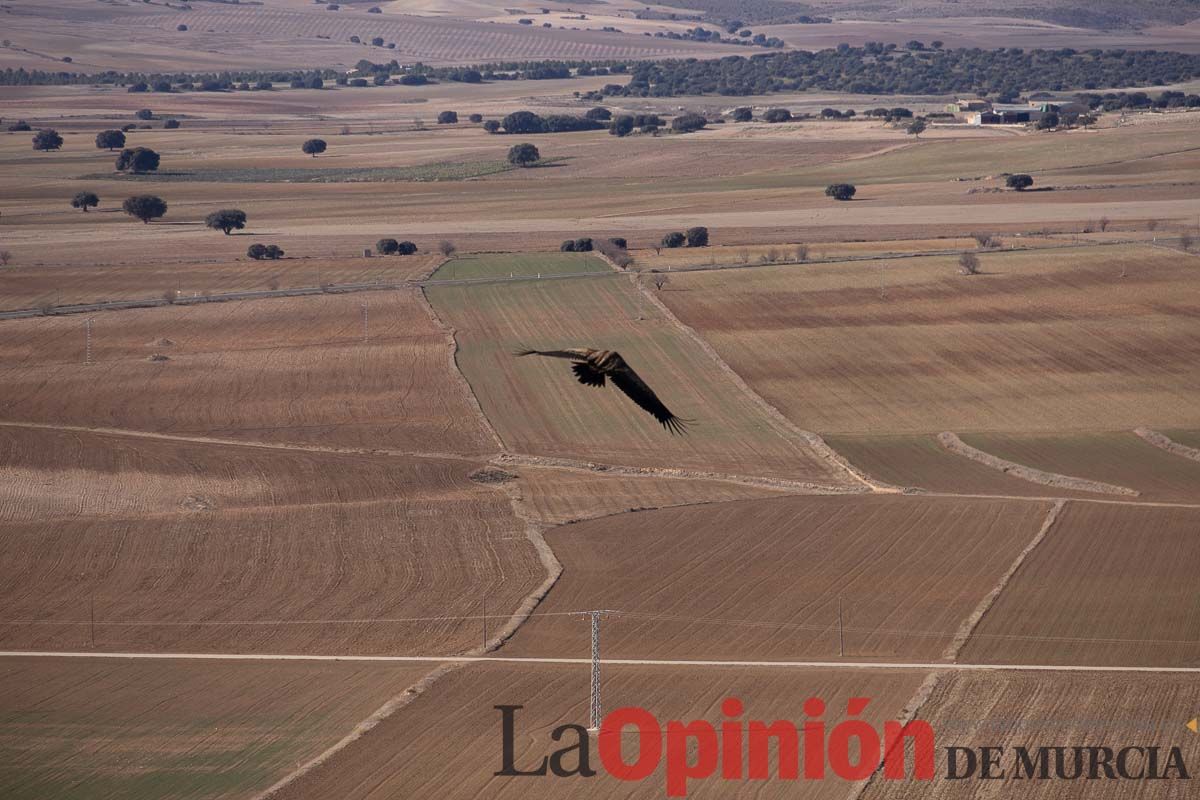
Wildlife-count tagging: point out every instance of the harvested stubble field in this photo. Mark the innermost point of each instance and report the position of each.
(223, 548)
(538, 408)
(283, 370)
(446, 743)
(1122, 459)
(919, 461)
(1092, 338)
(1110, 584)
(556, 496)
(763, 578)
(99, 728)
(1032, 710)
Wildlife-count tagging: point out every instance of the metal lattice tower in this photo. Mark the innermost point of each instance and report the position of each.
(87, 341)
(364, 320)
(594, 722)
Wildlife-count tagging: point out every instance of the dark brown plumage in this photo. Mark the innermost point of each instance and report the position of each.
(593, 367)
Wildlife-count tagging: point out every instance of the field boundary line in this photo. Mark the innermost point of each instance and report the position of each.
(907, 714)
(393, 704)
(917, 666)
(951, 442)
(786, 429)
(972, 621)
(1164, 442)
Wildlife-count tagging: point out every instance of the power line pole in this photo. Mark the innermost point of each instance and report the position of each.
(87, 341)
(841, 630)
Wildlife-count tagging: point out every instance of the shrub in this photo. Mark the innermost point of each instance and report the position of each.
(446, 248)
(802, 253)
(840, 191)
(387, 247)
(697, 236)
(181, 28)
(968, 264)
(1020, 182)
(523, 155)
(476, 118)
(491, 126)
(621, 126)
(984, 239)
(314, 146)
(145, 207)
(743, 114)
(137, 160)
(226, 220)
(19, 126)
(777, 115)
(171, 124)
(47, 139)
(406, 248)
(620, 242)
(257, 251)
(144, 113)
(688, 123)
(85, 200)
(447, 117)
(674, 239)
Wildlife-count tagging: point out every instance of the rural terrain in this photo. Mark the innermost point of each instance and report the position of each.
(291, 523)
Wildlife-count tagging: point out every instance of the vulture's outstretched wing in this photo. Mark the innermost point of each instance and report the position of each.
(625, 379)
(588, 375)
(574, 353)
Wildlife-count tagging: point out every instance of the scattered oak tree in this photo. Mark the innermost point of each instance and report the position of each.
(777, 115)
(226, 220)
(138, 160)
(697, 236)
(688, 123)
(916, 128)
(257, 251)
(85, 200)
(144, 113)
(47, 139)
(314, 146)
(110, 140)
(1019, 182)
(968, 264)
(840, 191)
(523, 155)
(145, 207)
(447, 117)
(743, 114)
(387, 247)
(406, 248)
(622, 125)
(674, 239)
(447, 248)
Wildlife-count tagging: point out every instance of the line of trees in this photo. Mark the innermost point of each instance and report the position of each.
(393, 247)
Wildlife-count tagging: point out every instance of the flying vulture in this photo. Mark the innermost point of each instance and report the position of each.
(591, 367)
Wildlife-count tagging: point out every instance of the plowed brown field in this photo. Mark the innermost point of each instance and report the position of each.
(447, 743)
(1030, 710)
(93, 728)
(189, 547)
(290, 370)
(762, 578)
(1035, 343)
(1110, 584)
(1122, 459)
(538, 408)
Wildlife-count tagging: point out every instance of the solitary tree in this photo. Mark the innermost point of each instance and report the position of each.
(145, 207)
(387, 247)
(660, 280)
(447, 248)
(314, 146)
(697, 236)
(5, 257)
(476, 118)
(257, 251)
(110, 140)
(47, 139)
(802, 252)
(226, 220)
(1104, 223)
(674, 239)
(840, 191)
(85, 200)
(171, 124)
(968, 264)
(1020, 182)
(406, 248)
(523, 155)
(138, 159)
(916, 128)
(447, 117)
